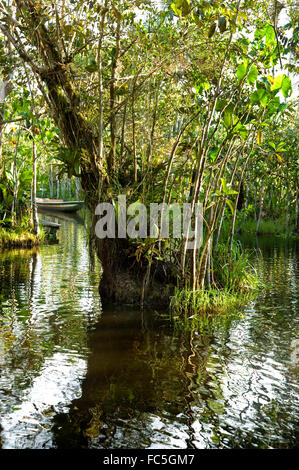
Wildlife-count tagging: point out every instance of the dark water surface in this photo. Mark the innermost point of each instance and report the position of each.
(74, 376)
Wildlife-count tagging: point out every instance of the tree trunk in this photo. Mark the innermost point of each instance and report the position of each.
(63, 189)
(261, 207)
(288, 198)
(69, 188)
(2, 127)
(77, 184)
(246, 199)
(33, 192)
(51, 182)
(288, 206)
(122, 276)
(296, 208)
(208, 266)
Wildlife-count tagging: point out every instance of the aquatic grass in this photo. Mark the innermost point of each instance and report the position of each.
(211, 301)
(207, 309)
(221, 315)
(233, 270)
(235, 282)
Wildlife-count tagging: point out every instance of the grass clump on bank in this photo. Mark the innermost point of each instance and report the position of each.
(20, 238)
(234, 283)
(212, 301)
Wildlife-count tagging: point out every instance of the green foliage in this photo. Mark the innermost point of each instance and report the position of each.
(175, 103)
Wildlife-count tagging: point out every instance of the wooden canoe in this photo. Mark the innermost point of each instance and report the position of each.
(58, 205)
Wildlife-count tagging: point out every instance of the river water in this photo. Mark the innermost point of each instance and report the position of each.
(74, 376)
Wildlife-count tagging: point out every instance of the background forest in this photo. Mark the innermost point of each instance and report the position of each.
(169, 102)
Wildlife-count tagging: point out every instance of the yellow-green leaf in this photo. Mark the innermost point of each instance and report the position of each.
(230, 205)
(278, 158)
(212, 30)
(259, 137)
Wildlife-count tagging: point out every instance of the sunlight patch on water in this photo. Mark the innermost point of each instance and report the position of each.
(59, 382)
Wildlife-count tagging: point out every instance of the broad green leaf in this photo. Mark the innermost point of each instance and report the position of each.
(282, 107)
(286, 86)
(243, 43)
(199, 87)
(277, 82)
(272, 145)
(244, 133)
(223, 182)
(270, 34)
(227, 119)
(274, 106)
(220, 105)
(231, 192)
(280, 145)
(176, 10)
(241, 130)
(77, 167)
(259, 33)
(252, 76)
(242, 70)
(213, 154)
(256, 96)
(181, 7)
(225, 187)
(264, 100)
(185, 7)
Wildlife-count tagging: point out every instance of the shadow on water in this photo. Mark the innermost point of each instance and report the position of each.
(73, 376)
(136, 385)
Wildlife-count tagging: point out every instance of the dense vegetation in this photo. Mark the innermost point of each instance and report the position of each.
(173, 102)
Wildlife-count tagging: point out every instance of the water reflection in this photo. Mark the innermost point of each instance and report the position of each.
(130, 372)
(48, 300)
(227, 385)
(72, 377)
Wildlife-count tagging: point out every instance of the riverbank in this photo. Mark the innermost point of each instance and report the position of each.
(274, 227)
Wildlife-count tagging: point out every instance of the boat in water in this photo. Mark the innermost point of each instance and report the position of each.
(59, 205)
